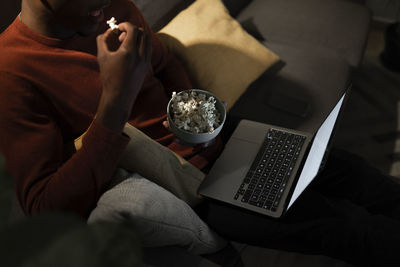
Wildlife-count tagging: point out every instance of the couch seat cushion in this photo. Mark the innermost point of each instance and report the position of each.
(338, 25)
(316, 77)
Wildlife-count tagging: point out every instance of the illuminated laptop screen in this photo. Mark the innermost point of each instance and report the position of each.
(317, 151)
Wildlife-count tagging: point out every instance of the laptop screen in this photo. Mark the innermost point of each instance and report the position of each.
(317, 151)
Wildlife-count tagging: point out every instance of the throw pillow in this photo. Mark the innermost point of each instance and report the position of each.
(235, 6)
(218, 53)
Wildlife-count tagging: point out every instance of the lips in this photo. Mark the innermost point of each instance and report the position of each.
(97, 15)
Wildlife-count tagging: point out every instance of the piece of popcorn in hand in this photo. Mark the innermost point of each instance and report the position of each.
(112, 23)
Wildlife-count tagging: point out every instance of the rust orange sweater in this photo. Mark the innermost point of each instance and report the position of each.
(49, 92)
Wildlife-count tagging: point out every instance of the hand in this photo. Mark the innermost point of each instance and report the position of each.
(122, 72)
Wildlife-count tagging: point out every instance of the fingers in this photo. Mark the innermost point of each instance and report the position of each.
(122, 37)
(209, 143)
(166, 125)
(136, 39)
(101, 41)
(129, 40)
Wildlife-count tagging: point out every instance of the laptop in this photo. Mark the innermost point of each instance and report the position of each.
(265, 168)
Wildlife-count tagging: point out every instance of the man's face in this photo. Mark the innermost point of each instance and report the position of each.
(81, 16)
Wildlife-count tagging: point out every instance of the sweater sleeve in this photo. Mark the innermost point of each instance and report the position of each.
(168, 69)
(34, 149)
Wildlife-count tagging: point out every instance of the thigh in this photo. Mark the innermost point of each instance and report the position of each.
(349, 176)
(315, 224)
(158, 217)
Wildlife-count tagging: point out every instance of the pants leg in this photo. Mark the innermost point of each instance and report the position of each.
(349, 176)
(158, 217)
(351, 228)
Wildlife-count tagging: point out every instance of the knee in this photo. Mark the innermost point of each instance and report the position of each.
(160, 218)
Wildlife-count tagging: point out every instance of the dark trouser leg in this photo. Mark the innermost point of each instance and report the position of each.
(349, 176)
(336, 225)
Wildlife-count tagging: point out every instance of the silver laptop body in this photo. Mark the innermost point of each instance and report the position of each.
(234, 171)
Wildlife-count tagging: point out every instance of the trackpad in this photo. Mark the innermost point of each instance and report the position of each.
(230, 169)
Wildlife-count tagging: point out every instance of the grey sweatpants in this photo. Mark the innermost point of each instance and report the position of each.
(158, 216)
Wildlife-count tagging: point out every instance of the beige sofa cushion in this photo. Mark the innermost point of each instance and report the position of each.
(219, 55)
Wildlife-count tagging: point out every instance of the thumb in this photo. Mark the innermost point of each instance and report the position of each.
(166, 125)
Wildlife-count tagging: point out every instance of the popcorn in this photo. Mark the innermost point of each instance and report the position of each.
(112, 23)
(195, 113)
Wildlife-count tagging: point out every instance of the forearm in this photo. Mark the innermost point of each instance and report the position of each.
(78, 183)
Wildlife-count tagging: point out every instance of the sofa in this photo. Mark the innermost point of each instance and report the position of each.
(319, 43)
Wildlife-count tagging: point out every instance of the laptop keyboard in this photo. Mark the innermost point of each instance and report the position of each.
(267, 178)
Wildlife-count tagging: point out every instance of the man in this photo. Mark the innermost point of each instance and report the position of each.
(56, 83)
(67, 95)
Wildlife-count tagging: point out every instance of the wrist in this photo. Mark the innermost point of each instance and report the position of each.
(112, 116)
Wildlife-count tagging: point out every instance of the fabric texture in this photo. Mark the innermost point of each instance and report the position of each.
(159, 164)
(49, 94)
(311, 75)
(235, 6)
(214, 48)
(159, 12)
(159, 218)
(340, 26)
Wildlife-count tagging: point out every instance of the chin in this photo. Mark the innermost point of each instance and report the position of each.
(88, 31)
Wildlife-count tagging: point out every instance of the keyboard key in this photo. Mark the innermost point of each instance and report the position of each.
(265, 192)
(260, 204)
(266, 207)
(248, 192)
(252, 202)
(272, 166)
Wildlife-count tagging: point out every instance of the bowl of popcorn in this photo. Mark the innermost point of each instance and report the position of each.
(195, 116)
